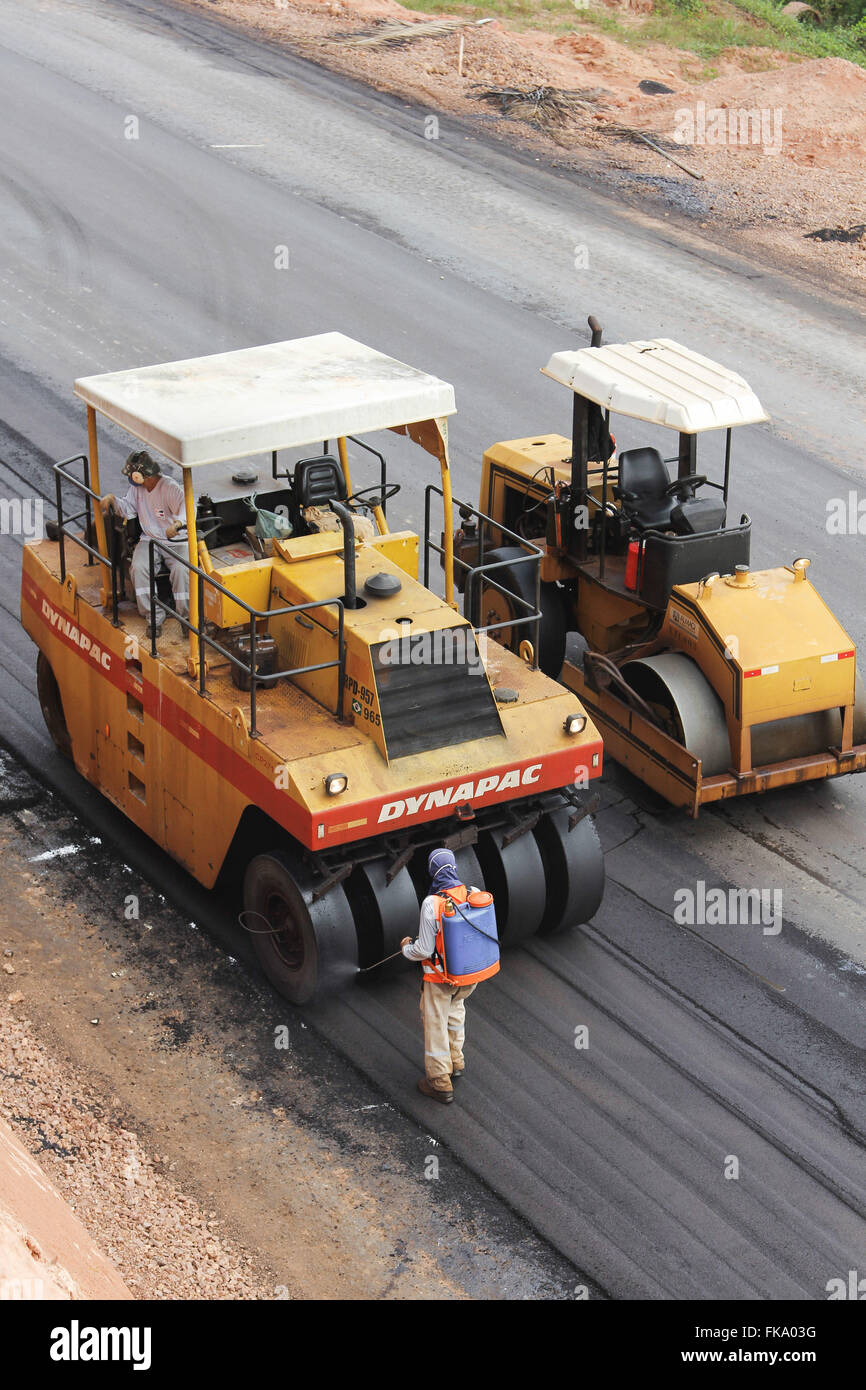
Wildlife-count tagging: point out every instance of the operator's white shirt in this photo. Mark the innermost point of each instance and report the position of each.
(157, 509)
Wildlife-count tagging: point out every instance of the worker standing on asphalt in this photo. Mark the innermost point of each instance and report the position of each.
(443, 1007)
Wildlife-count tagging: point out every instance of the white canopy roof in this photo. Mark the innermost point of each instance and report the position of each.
(659, 381)
(232, 404)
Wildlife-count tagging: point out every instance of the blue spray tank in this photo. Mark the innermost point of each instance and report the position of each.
(470, 940)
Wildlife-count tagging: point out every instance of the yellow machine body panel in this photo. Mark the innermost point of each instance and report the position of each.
(516, 472)
(524, 459)
(400, 547)
(767, 643)
(250, 581)
(606, 619)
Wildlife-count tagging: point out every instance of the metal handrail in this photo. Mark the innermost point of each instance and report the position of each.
(744, 521)
(255, 615)
(60, 472)
(477, 573)
(383, 468)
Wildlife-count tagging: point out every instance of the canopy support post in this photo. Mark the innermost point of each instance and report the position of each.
(195, 655)
(577, 537)
(98, 518)
(688, 455)
(727, 464)
(344, 463)
(447, 517)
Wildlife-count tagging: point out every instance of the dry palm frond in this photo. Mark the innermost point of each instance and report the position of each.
(545, 107)
(406, 33)
(656, 143)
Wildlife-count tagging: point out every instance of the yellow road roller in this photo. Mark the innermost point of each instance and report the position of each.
(312, 719)
(707, 679)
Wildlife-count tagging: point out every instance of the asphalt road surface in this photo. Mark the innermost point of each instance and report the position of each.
(706, 1044)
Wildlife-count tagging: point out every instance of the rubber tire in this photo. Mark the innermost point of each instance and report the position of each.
(574, 869)
(51, 705)
(384, 913)
(330, 955)
(515, 877)
(554, 621)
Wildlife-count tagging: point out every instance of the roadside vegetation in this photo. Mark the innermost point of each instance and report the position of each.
(705, 27)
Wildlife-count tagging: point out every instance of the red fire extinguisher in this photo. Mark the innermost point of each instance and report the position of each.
(632, 565)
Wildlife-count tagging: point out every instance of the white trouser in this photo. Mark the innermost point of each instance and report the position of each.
(141, 577)
(444, 1013)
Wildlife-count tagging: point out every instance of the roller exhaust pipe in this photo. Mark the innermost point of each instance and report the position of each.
(350, 597)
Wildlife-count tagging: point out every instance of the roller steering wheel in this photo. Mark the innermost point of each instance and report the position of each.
(690, 484)
(383, 495)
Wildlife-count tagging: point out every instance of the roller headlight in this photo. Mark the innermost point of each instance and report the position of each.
(574, 723)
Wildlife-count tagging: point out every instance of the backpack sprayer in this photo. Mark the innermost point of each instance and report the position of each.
(465, 961)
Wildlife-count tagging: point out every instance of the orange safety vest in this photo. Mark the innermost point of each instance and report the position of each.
(435, 967)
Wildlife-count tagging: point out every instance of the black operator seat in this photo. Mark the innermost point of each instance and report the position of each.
(652, 504)
(318, 481)
(643, 480)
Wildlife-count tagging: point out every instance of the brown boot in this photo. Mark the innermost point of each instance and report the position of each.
(440, 1089)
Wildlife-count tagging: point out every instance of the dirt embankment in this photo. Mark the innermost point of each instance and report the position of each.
(45, 1251)
(777, 140)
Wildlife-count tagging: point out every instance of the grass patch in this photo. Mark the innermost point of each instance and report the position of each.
(549, 16)
(710, 29)
(704, 27)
